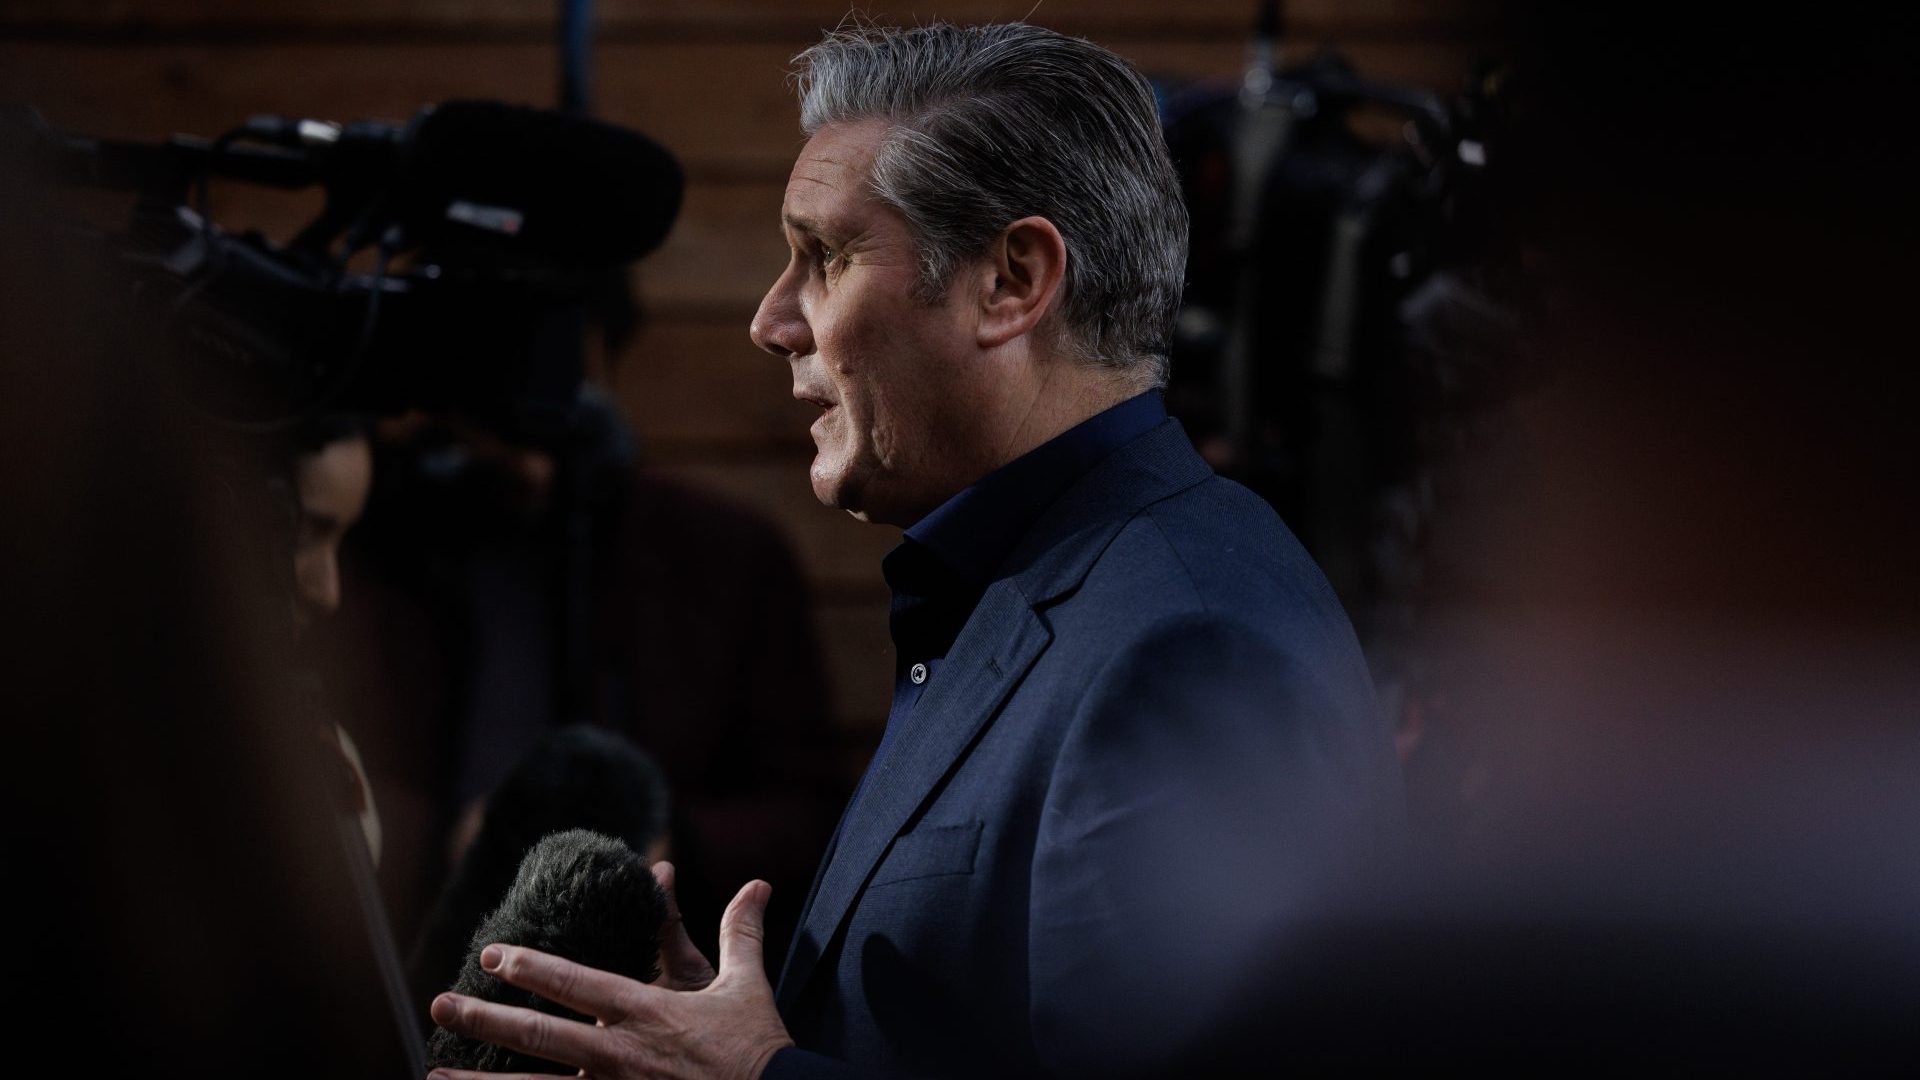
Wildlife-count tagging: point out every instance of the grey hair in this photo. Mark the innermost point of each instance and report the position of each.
(990, 124)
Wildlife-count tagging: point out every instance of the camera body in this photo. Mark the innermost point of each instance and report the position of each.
(449, 268)
(257, 335)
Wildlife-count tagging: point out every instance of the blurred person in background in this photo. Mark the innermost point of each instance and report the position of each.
(186, 860)
(331, 472)
(511, 582)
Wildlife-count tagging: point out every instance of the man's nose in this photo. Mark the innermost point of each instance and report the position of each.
(779, 326)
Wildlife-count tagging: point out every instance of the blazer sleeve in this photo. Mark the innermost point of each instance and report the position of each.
(1211, 787)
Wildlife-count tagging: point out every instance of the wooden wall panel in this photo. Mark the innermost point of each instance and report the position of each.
(699, 386)
(736, 19)
(841, 556)
(708, 79)
(723, 253)
(743, 126)
(743, 123)
(144, 91)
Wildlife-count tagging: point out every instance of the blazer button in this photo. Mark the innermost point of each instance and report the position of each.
(918, 674)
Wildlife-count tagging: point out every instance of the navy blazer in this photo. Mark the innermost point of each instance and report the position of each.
(1151, 745)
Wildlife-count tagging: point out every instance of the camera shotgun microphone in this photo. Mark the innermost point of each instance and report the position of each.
(463, 176)
(564, 187)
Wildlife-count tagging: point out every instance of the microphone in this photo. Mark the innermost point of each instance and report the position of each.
(550, 184)
(580, 895)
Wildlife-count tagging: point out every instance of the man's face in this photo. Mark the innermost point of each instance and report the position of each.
(897, 380)
(332, 485)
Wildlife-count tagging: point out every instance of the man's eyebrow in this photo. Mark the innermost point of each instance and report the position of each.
(803, 225)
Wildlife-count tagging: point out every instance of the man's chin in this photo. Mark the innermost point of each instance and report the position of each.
(828, 486)
(836, 492)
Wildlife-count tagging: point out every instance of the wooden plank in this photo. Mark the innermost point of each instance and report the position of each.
(841, 556)
(699, 385)
(733, 19)
(1437, 65)
(723, 253)
(745, 122)
(725, 109)
(740, 126)
(149, 91)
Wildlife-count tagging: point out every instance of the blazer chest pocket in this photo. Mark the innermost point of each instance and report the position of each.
(929, 852)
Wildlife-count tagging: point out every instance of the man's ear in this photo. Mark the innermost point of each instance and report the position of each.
(1027, 268)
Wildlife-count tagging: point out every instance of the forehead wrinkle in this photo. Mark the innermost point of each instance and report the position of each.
(831, 166)
(807, 221)
(844, 170)
(828, 172)
(799, 219)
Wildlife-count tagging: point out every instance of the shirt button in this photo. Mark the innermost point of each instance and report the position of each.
(918, 674)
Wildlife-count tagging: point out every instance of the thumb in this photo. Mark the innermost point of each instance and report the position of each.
(681, 965)
(743, 931)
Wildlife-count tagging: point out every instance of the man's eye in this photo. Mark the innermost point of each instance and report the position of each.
(828, 256)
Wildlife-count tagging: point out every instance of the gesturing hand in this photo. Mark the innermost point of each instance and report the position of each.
(694, 1023)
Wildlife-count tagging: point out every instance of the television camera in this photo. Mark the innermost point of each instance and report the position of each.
(447, 268)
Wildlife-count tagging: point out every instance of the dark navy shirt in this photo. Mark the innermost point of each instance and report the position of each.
(946, 560)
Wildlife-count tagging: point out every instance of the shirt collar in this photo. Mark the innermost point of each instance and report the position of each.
(976, 530)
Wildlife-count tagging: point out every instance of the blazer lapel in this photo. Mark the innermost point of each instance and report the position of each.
(1002, 640)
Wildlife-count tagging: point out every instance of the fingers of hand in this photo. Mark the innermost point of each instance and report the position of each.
(743, 930)
(580, 988)
(524, 1030)
(663, 876)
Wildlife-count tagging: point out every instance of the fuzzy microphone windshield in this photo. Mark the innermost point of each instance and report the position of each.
(580, 895)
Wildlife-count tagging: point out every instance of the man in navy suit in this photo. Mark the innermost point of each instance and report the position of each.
(1132, 737)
